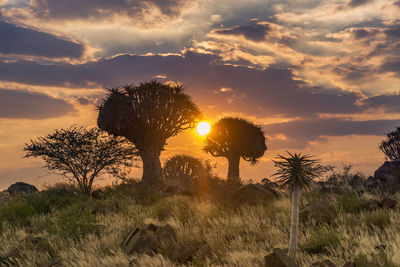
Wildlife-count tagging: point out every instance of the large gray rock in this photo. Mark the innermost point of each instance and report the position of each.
(388, 170)
(21, 188)
(253, 194)
(147, 238)
(278, 258)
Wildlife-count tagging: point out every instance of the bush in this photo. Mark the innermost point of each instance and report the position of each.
(74, 222)
(378, 218)
(349, 202)
(188, 172)
(320, 240)
(17, 212)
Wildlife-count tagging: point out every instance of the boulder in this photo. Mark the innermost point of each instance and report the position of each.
(253, 194)
(278, 258)
(388, 203)
(387, 170)
(324, 263)
(357, 182)
(21, 188)
(184, 252)
(147, 238)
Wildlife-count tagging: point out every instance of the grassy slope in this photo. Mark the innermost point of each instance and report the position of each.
(87, 232)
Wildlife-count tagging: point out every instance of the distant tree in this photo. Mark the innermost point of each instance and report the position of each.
(147, 115)
(297, 172)
(81, 155)
(391, 145)
(235, 138)
(187, 171)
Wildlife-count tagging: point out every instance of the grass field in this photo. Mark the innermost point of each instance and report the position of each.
(59, 227)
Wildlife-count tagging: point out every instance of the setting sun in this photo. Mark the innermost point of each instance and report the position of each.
(203, 128)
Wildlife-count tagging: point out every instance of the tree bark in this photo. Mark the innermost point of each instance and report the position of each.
(295, 221)
(233, 171)
(152, 173)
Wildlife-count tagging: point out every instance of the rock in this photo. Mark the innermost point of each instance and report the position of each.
(184, 252)
(324, 263)
(21, 188)
(279, 259)
(147, 238)
(350, 264)
(320, 211)
(387, 170)
(388, 203)
(253, 194)
(269, 184)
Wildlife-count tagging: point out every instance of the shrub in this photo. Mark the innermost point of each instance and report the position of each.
(74, 222)
(378, 218)
(320, 240)
(349, 202)
(188, 172)
(17, 212)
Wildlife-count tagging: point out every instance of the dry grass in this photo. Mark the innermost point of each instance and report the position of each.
(236, 236)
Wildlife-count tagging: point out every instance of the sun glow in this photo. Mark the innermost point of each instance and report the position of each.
(203, 128)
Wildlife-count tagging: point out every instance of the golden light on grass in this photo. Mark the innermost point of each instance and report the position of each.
(203, 128)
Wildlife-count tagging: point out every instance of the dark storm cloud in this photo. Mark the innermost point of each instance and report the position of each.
(253, 31)
(391, 65)
(300, 132)
(77, 9)
(390, 103)
(271, 91)
(23, 41)
(23, 104)
(355, 3)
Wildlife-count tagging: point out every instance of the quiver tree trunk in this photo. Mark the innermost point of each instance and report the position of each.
(295, 220)
(152, 172)
(233, 171)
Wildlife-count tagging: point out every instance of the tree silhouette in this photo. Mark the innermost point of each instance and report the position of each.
(391, 145)
(81, 155)
(235, 138)
(296, 171)
(147, 115)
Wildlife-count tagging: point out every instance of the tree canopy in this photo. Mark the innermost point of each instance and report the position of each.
(147, 115)
(390, 146)
(81, 155)
(235, 138)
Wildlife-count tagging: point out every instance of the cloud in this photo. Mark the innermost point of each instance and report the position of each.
(253, 31)
(94, 9)
(16, 40)
(29, 105)
(271, 91)
(356, 3)
(300, 132)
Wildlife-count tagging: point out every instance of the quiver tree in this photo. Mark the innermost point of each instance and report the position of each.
(235, 138)
(82, 155)
(147, 115)
(297, 173)
(391, 145)
(187, 172)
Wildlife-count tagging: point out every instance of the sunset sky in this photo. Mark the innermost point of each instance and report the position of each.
(321, 77)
